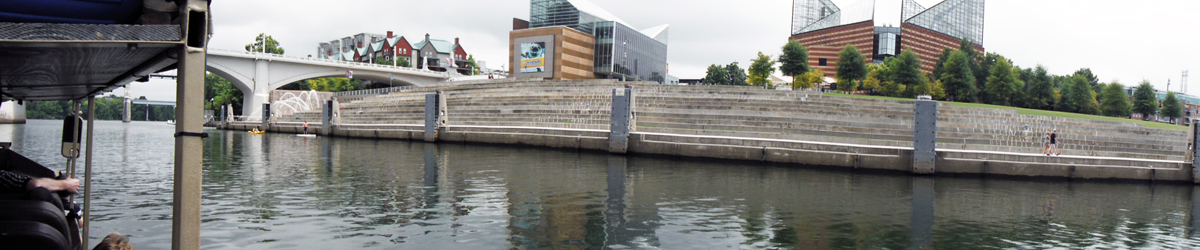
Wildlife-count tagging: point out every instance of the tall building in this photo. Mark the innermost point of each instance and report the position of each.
(597, 44)
(825, 29)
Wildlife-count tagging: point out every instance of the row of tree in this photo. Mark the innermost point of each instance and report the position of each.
(959, 75)
(109, 107)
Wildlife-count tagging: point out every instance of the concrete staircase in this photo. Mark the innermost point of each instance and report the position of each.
(755, 113)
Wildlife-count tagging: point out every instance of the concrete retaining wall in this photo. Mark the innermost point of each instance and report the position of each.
(759, 125)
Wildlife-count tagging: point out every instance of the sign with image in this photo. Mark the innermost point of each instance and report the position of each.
(533, 57)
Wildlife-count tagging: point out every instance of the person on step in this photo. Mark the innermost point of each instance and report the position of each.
(306, 127)
(1046, 144)
(1054, 143)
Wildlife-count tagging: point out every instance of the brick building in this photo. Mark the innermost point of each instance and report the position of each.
(825, 29)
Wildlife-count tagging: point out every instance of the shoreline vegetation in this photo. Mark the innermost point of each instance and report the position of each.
(1025, 111)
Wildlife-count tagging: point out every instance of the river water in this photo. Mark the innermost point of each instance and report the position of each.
(279, 191)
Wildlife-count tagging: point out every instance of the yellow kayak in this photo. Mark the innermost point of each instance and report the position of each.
(257, 133)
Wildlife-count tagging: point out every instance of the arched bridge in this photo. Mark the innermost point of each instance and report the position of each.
(257, 74)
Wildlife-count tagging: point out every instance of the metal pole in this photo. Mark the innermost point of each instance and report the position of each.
(189, 151)
(87, 170)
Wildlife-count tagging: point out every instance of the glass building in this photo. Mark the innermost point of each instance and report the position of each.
(885, 28)
(621, 52)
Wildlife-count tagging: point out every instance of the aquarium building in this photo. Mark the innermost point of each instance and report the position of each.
(575, 39)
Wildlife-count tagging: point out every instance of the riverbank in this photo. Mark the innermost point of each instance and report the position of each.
(754, 125)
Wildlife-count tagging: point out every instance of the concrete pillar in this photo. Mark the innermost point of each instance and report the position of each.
(266, 116)
(924, 137)
(128, 110)
(1193, 135)
(622, 120)
(921, 220)
(251, 102)
(435, 115)
(11, 112)
(326, 117)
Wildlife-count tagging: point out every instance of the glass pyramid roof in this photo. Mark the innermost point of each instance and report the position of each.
(957, 18)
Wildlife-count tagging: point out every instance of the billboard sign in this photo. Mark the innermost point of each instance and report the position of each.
(533, 57)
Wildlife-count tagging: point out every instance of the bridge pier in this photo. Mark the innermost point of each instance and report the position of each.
(252, 103)
(128, 116)
(12, 113)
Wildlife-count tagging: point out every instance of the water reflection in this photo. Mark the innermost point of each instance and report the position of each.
(279, 191)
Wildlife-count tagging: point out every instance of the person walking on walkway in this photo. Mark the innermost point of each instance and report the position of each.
(1046, 144)
(1054, 143)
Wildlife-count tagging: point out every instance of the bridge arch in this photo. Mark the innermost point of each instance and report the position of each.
(373, 76)
(238, 80)
(257, 74)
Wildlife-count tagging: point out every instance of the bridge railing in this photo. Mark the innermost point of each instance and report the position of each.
(348, 63)
(366, 92)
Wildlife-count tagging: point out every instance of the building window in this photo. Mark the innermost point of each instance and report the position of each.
(823, 62)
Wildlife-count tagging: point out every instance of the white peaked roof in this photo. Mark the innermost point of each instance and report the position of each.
(593, 9)
(656, 30)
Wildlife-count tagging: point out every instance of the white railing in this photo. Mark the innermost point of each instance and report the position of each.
(379, 91)
(322, 60)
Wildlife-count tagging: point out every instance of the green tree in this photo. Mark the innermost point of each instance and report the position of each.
(218, 92)
(264, 43)
(794, 61)
(716, 75)
(1092, 80)
(334, 84)
(46, 109)
(809, 79)
(906, 70)
(982, 70)
(1145, 102)
(939, 67)
(761, 69)
(872, 82)
(384, 61)
(1171, 107)
(1079, 96)
(1115, 103)
(735, 74)
(958, 80)
(1002, 83)
(1041, 92)
(851, 67)
(474, 66)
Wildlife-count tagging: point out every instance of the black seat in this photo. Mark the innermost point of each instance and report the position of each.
(39, 212)
(30, 235)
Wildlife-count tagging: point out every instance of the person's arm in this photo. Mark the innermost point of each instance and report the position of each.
(11, 181)
(70, 184)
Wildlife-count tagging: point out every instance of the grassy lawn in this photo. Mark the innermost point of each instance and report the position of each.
(1025, 111)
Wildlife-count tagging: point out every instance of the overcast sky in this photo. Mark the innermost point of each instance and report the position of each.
(1126, 41)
